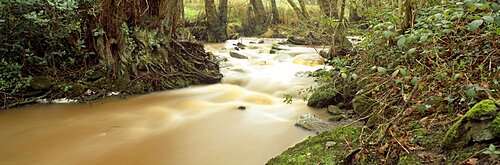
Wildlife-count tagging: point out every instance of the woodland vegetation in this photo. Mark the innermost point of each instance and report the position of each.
(423, 83)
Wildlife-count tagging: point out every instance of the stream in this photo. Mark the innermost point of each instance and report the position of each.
(242, 120)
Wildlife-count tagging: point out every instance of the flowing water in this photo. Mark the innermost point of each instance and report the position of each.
(195, 125)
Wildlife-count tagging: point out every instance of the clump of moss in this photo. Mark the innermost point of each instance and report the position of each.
(409, 159)
(324, 96)
(315, 150)
(480, 123)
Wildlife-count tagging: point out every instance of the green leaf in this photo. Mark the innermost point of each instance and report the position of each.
(470, 93)
(415, 80)
(498, 31)
(387, 34)
(495, 7)
(354, 76)
(401, 42)
(488, 19)
(423, 38)
(381, 70)
(344, 76)
(403, 71)
(492, 147)
(395, 73)
(411, 51)
(497, 20)
(474, 25)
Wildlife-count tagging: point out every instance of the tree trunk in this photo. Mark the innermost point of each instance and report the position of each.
(303, 8)
(328, 7)
(223, 18)
(258, 23)
(135, 41)
(340, 43)
(353, 11)
(409, 18)
(296, 9)
(276, 15)
(216, 20)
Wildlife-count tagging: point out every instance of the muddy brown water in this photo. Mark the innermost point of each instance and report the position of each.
(196, 125)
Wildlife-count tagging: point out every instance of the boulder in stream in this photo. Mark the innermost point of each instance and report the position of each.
(314, 123)
(481, 123)
(237, 55)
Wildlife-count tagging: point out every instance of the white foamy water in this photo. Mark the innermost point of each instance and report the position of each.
(193, 126)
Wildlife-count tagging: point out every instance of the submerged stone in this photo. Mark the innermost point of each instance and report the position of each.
(481, 123)
(237, 55)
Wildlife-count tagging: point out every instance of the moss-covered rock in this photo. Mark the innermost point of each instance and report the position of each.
(324, 96)
(480, 123)
(362, 105)
(75, 90)
(41, 83)
(329, 147)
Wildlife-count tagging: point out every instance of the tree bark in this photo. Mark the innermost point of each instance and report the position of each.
(303, 8)
(409, 18)
(328, 7)
(258, 23)
(274, 10)
(216, 20)
(135, 40)
(353, 11)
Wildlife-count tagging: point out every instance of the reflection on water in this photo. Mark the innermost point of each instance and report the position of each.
(196, 125)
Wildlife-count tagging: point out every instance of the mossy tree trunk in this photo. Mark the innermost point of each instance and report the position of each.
(328, 7)
(216, 20)
(276, 14)
(301, 12)
(257, 21)
(135, 40)
(353, 11)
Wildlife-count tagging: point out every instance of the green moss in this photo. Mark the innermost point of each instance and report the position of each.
(426, 138)
(410, 159)
(495, 126)
(41, 83)
(75, 90)
(324, 96)
(477, 124)
(361, 105)
(314, 151)
(482, 110)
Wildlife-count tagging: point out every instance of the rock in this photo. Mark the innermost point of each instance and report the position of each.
(41, 83)
(241, 45)
(313, 123)
(75, 90)
(361, 105)
(324, 96)
(330, 144)
(481, 123)
(242, 108)
(268, 34)
(261, 42)
(221, 59)
(237, 55)
(334, 110)
(309, 60)
(335, 117)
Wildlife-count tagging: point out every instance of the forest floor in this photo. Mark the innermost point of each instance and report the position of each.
(426, 95)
